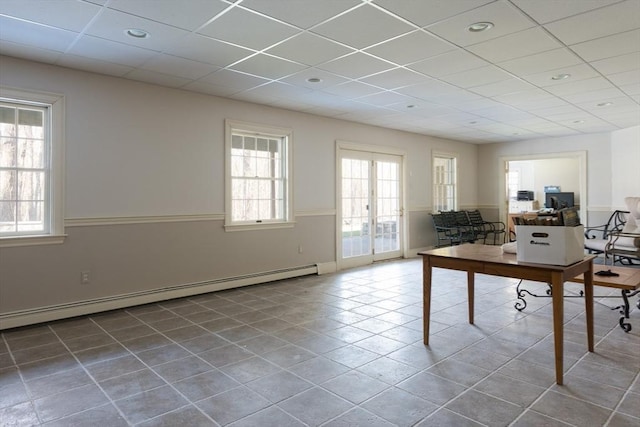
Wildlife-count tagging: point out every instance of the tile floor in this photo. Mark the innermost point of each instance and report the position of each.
(342, 349)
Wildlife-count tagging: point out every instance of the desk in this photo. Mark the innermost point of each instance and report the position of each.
(491, 260)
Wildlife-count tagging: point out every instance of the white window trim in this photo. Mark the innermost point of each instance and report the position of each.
(449, 155)
(56, 233)
(237, 125)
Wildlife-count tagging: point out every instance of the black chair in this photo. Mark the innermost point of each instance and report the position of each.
(495, 230)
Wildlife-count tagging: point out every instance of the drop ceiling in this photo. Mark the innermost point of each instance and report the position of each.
(546, 67)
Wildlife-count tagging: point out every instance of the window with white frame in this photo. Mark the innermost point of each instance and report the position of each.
(258, 190)
(31, 162)
(444, 182)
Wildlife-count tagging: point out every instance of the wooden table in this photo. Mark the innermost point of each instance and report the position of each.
(491, 260)
(628, 281)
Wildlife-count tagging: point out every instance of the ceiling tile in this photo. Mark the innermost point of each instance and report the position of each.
(506, 19)
(233, 79)
(29, 52)
(529, 99)
(112, 24)
(606, 47)
(310, 49)
(428, 88)
(423, 13)
(594, 96)
(205, 49)
(626, 78)
(247, 29)
(301, 13)
(275, 90)
(405, 52)
(94, 65)
(456, 98)
(544, 11)
(362, 27)
(110, 51)
(502, 87)
(618, 64)
(516, 45)
(631, 89)
(576, 72)
(572, 87)
(189, 16)
(392, 79)
(179, 67)
(41, 36)
(613, 19)
(544, 61)
(267, 66)
(356, 65)
(352, 90)
(210, 89)
(412, 47)
(326, 79)
(385, 98)
(64, 14)
(477, 77)
(448, 63)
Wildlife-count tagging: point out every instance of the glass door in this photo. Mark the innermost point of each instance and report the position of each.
(370, 207)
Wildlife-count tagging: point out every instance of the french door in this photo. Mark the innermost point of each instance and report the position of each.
(370, 212)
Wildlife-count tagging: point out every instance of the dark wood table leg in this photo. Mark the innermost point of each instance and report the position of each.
(426, 297)
(588, 305)
(557, 298)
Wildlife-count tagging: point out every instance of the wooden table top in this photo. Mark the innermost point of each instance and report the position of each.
(488, 253)
(628, 279)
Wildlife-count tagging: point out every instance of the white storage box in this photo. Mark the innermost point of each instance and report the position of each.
(544, 244)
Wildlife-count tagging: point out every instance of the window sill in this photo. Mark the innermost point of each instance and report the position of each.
(35, 240)
(258, 226)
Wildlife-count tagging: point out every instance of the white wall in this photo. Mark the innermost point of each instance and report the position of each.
(625, 164)
(536, 174)
(145, 191)
(599, 172)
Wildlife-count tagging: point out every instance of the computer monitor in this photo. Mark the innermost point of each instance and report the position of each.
(559, 201)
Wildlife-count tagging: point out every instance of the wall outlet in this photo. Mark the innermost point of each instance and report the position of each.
(85, 277)
(299, 249)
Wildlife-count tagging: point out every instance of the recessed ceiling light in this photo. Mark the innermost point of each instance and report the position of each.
(561, 76)
(314, 79)
(411, 106)
(473, 122)
(480, 26)
(578, 121)
(604, 104)
(137, 33)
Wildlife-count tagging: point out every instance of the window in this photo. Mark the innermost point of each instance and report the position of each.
(444, 182)
(31, 161)
(513, 183)
(258, 169)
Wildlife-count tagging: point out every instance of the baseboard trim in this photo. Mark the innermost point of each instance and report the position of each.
(327, 267)
(62, 311)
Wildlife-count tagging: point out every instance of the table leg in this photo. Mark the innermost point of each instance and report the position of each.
(426, 297)
(588, 305)
(470, 293)
(557, 298)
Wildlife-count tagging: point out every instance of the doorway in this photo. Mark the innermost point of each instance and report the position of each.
(566, 171)
(370, 207)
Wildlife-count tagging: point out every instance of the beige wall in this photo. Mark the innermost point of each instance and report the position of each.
(144, 194)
